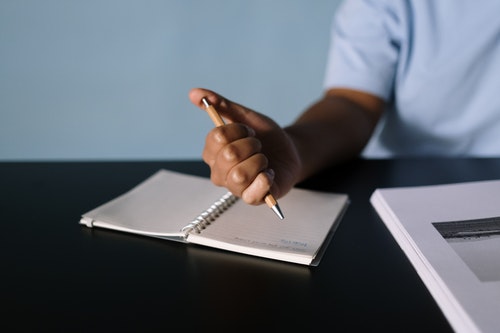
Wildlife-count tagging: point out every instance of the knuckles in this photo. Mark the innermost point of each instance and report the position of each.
(240, 150)
(238, 176)
(230, 153)
(223, 135)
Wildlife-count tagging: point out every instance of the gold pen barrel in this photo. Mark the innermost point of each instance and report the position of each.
(214, 115)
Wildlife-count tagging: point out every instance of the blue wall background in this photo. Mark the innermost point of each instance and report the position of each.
(108, 80)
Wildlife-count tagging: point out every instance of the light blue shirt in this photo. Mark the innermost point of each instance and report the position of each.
(437, 64)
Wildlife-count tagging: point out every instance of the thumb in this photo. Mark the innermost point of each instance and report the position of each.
(229, 110)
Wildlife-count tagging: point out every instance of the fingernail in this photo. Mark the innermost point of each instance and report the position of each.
(270, 173)
(250, 131)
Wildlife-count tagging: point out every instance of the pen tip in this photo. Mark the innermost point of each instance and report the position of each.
(278, 212)
(273, 204)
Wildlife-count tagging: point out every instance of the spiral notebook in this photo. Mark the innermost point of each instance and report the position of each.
(190, 209)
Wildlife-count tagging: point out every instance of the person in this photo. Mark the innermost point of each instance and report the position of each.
(404, 79)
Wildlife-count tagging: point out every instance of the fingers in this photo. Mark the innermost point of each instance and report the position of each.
(247, 174)
(229, 110)
(260, 186)
(220, 137)
(221, 104)
(196, 94)
(236, 161)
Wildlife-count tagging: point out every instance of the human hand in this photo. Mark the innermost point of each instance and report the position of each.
(251, 154)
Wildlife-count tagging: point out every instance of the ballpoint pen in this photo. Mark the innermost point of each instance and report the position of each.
(218, 121)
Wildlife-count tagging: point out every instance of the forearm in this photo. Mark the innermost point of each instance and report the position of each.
(332, 130)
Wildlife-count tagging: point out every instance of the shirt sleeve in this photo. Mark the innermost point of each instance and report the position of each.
(364, 47)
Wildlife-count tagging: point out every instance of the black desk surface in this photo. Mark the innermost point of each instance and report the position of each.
(60, 276)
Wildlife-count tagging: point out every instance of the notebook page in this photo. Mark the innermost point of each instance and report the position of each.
(309, 216)
(160, 206)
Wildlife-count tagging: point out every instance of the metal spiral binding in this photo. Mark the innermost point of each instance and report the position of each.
(210, 214)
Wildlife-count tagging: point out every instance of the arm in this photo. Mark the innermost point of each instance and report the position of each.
(335, 128)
